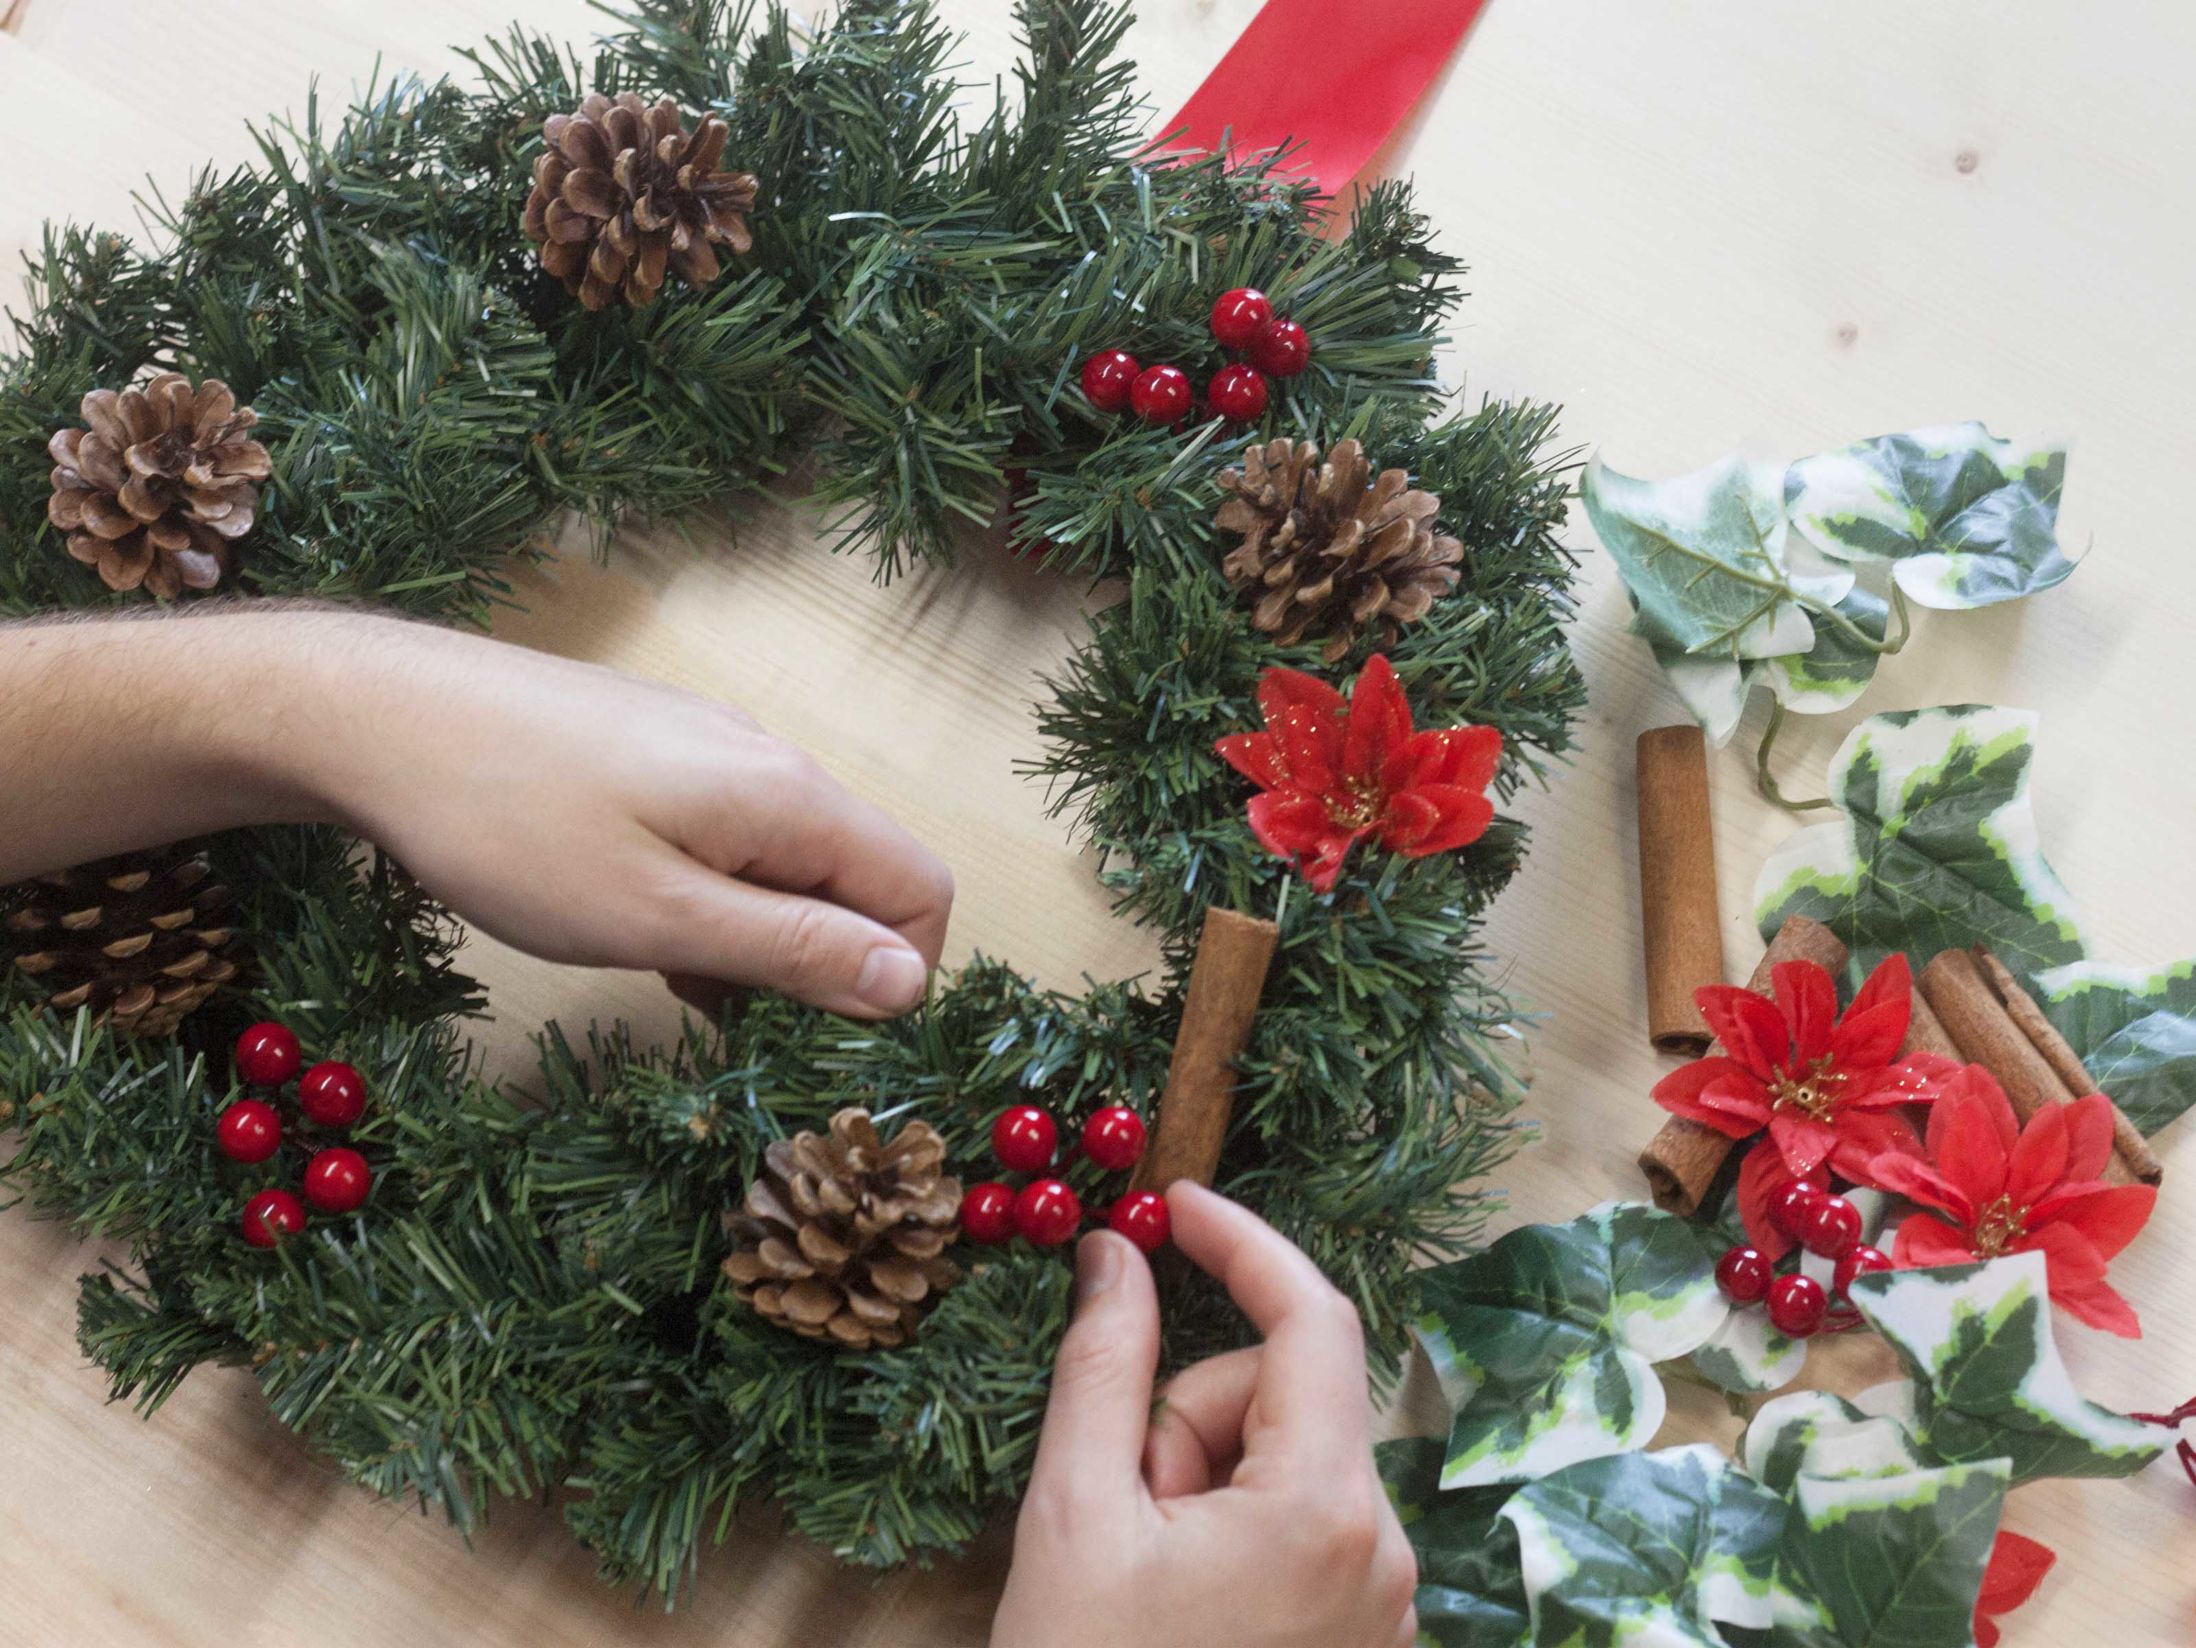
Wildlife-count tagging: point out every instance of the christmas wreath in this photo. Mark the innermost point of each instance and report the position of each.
(371, 366)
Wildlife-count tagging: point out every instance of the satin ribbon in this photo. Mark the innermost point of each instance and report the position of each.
(1333, 77)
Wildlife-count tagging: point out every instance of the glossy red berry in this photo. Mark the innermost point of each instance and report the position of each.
(1114, 1138)
(1791, 1207)
(267, 1054)
(1142, 1217)
(987, 1213)
(1107, 377)
(1282, 349)
(272, 1215)
(1797, 1305)
(337, 1180)
(1238, 393)
(1024, 1139)
(1047, 1213)
(332, 1093)
(1832, 1228)
(1859, 1260)
(1160, 394)
(1744, 1274)
(1238, 316)
(249, 1131)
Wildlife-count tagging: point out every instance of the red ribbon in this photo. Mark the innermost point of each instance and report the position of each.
(1332, 77)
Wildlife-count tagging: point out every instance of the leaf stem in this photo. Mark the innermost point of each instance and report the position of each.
(1766, 783)
(1845, 626)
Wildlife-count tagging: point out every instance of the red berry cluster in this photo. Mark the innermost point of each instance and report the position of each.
(1113, 379)
(1799, 1307)
(1046, 1212)
(331, 1094)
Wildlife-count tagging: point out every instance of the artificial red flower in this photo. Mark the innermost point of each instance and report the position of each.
(2017, 1566)
(1331, 773)
(2003, 1188)
(1824, 1089)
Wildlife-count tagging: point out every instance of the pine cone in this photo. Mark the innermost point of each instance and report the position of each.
(138, 937)
(155, 489)
(844, 1237)
(624, 191)
(1324, 554)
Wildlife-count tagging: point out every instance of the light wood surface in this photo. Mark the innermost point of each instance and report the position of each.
(1780, 224)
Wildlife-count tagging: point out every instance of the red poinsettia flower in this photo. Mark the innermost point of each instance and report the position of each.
(1332, 773)
(2004, 1188)
(2017, 1566)
(1823, 1088)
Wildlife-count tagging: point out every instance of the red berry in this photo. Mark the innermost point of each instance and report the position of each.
(1142, 1217)
(1114, 1138)
(1107, 377)
(267, 1054)
(1160, 394)
(336, 1181)
(332, 1094)
(1833, 1226)
(1238, 393)
(1744, 1274)
(249, 1131)
(1282, 349)
(1860, 1260)
(271, 1215)
(1791, 1207)
(987, 1213)
(1047, 1213)
(1024, 1139)
(1238, 316)
(1797, 1305)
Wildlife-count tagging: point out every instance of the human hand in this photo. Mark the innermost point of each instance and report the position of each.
(1248, 1510)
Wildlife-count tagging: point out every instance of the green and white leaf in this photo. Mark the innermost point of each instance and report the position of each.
(1545, 1343)
(1989, 1382)
(1713, 690)
(1836, 670)
(1705, 558)
(1817, 1433)
(1964, 519)
(1471, 1591)
(1749, 1356)
(1649, 1548)
(1935, 846)
(1896, 1558)
(2134, 1029)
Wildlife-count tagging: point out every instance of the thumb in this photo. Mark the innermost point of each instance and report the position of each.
(814, 951)
(1093, 1440)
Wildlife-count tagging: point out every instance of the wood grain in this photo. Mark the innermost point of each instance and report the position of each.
(1780, 225)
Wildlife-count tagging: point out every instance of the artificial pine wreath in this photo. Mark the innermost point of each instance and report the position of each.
(914, 308)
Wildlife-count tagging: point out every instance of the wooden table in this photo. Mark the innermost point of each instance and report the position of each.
(1782, 224)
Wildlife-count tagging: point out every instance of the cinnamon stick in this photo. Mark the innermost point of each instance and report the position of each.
(1226, 980)
(1683, 1159)
(1679, 916)
(1923, 1033)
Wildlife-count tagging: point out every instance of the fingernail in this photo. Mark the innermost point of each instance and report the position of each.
(891, 980)
(1097, 1266)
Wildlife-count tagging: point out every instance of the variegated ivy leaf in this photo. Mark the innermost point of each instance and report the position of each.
(1749, 1356)
(1989, 1384)
(1649, 1548)
(1706, 559)
(1816, 1433)
(2134, 1029)
(1836, 670)
(1935, 846)
(1471, 1590)
(1545, 1343)
(1895, 1558)
(1965, 519)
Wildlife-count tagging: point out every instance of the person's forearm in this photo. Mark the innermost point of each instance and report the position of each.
(127, 733)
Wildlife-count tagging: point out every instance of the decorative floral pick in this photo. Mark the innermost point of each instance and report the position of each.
(1823, 1089)
(1998, 1187)
(1332, 773)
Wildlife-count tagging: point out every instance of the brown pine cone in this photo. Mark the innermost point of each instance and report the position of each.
(843, 1237)
(159, 484)
(1324, 554)
(138, 937)
(624, 191)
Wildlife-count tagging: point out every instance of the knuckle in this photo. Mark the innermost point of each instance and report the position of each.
(1088, 1358)
(1395, 1577)
(1346, 1528)
(801, 951)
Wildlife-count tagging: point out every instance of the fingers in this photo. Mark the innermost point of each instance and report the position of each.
(712, 927)
(1101, 1385)
(1311, 1387)
(1197, 1434)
